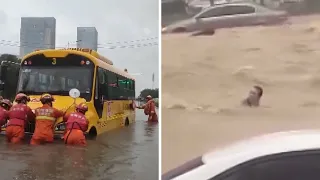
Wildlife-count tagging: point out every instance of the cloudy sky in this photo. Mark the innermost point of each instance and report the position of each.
(115, 20)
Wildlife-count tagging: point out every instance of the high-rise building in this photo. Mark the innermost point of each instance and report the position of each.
(37, 33)
(87, 37)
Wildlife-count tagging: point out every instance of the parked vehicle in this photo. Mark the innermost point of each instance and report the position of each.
(228, 16)
(293, 155)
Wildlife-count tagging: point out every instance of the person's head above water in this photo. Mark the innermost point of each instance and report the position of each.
(254, 96)
(256, 92)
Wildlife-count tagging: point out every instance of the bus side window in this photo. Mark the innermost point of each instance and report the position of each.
(129, 84)
(112, 86)
(122, 87)
(131, 89)
(103, 90)
(100, 96)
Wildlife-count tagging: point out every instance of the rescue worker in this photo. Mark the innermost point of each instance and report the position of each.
(5, 106)
(150, 109)
(19, 115)
(254, 97)
(46, 117)
(76, 125)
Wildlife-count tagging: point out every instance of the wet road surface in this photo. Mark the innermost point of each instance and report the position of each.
(128, 153)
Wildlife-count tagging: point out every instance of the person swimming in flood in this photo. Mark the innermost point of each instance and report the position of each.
(254, 97)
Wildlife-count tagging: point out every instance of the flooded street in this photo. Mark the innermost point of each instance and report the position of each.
(205, 78)
(129, 153)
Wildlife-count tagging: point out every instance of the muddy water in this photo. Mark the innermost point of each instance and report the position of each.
(123, 154)
(205, 78)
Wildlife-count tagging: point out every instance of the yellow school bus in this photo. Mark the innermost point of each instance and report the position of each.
(108, 92)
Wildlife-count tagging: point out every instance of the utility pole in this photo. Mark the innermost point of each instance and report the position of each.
(152, 80)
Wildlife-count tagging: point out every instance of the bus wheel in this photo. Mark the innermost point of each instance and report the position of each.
(126, 123)
(92, 133)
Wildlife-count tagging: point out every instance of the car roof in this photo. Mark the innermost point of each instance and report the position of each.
(239, 3)
(227, 157)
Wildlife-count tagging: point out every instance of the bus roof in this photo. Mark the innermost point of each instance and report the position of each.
(94, 56)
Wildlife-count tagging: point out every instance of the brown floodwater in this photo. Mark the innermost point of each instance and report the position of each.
(204, 79)
(122, 154)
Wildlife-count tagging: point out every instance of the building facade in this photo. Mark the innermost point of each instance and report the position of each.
(87, 37)
(37, 33)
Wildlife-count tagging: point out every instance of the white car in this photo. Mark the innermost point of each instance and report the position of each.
(293, 155)
(228, 16)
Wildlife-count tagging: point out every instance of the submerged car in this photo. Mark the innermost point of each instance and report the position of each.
(228, 16)
(292, 155)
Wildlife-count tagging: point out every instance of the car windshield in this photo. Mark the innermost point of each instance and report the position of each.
(56, 80)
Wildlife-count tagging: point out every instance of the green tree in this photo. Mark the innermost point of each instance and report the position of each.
(152, 92)
(9, 72)
(9, 57)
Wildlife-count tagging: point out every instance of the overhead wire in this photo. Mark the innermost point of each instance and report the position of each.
(111, 45)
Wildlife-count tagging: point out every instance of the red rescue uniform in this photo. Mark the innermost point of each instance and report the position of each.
(76, 125)
(4, 115)
(19, 115)
(150, 110)
(46, 116)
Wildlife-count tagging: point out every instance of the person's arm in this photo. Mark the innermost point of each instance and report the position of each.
(66, 117)
(86, 126)
(152, 110)
(6, 115)
(57, 113)
(141, 107)
(5, 118)
(30, 115)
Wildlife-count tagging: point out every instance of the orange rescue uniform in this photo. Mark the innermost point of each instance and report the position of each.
(4, 115)
(76, 125)
(46, 116)
(19, 114)
(150, 110)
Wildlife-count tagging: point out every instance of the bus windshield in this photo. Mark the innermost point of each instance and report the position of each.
(56, 80)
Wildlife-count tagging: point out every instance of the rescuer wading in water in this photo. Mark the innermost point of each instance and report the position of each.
(150, 109)
(76, 125)
(46, 117)
(19, 115)
(5, 106)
